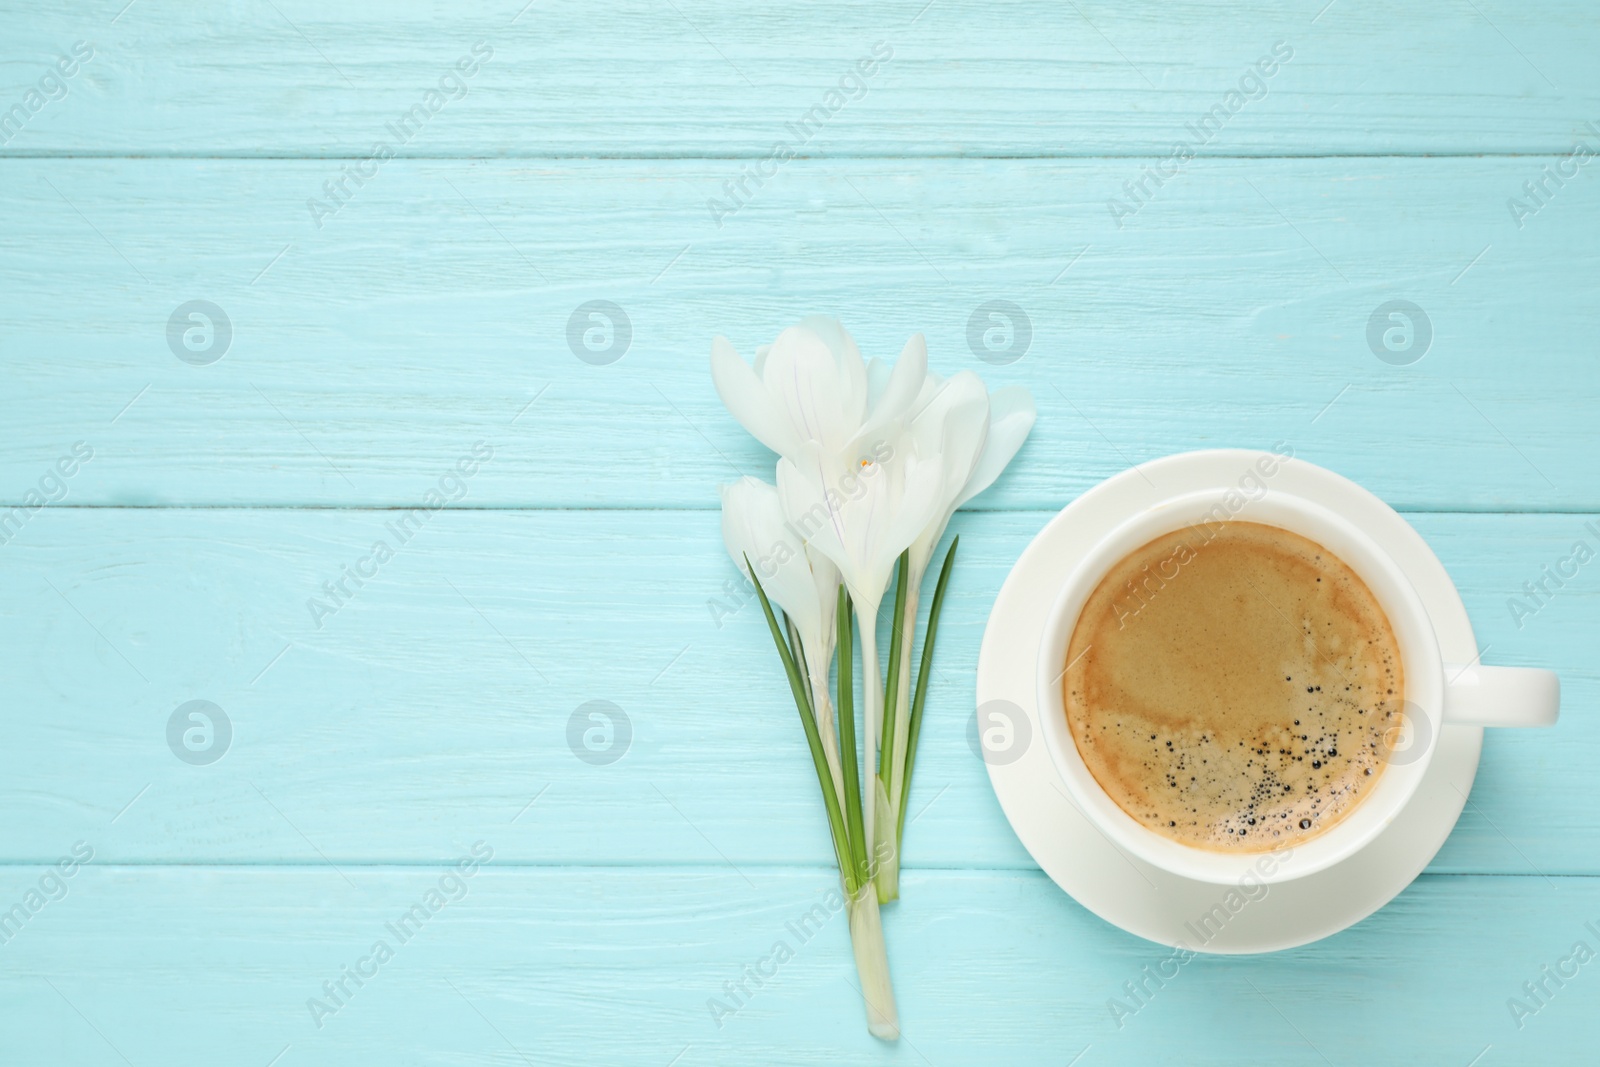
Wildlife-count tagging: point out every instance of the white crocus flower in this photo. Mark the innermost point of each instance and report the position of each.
(952, 421)
(874, 459)
(978, 433)
(1011, 418)
(810, 387)
(861, 510)
(801, 581)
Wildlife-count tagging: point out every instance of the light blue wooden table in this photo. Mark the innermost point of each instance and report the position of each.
(397, 212)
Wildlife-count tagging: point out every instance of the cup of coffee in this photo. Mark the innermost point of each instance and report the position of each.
(1219, 679)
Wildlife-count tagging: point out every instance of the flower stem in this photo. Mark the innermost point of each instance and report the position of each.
(866, 927)
(914, 724)
(849, 840)
(892, 687)
(872, 689)
(815, 669)
(888, 875)
(872, 964)
(903, 692)
(822, 704)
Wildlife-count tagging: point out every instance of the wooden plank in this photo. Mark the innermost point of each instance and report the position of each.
(433, 311)
(616, 966)
(434, 705)
(961, 78)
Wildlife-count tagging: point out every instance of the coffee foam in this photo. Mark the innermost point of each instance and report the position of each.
(1231, 687)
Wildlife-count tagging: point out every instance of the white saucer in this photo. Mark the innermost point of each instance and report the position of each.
(1144, 900)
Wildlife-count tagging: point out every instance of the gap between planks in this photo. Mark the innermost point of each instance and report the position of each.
(691, 157)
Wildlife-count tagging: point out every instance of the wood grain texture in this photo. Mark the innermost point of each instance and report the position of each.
(216, 965)
(297, 78)
(433, 311)
(434, 705)
(385, 324)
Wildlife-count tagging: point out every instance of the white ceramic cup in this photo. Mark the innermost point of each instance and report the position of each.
(1436, 693)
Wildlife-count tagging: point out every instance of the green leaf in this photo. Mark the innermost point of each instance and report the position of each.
(892, 686)
(798, 654)
(802, 702)
(846, 707)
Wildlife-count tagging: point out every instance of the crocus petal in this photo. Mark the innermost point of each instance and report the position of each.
(861, 514)
(803, 494)
(822, 391)
(902, 388)
(748, 400)
(930, 387)
(953, 424)
(753, 526)
(825, 583)
(835, 336)
(878, 371)
(1011, 417)
(916, 508)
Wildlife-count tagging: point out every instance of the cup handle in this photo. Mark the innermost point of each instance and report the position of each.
(1476, 695)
